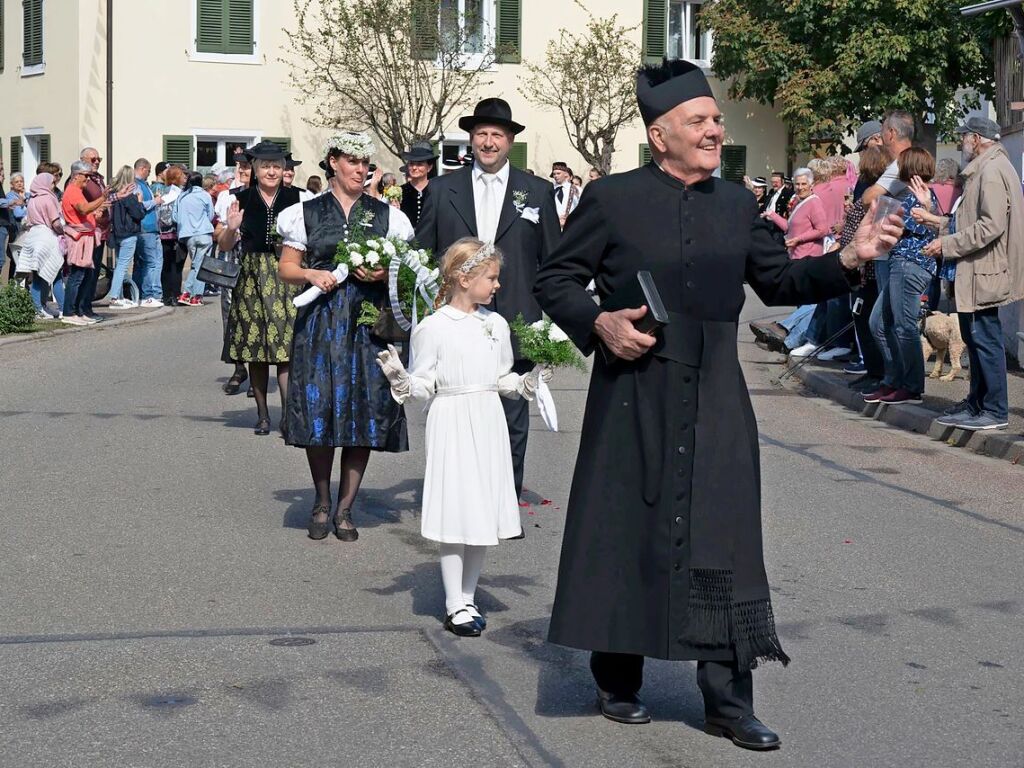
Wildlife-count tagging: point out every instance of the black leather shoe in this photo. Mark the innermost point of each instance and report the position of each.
(469, 629)
(623, 709)
(747, 732)
(344, 534)
(477, 616)
(319, 530)
(262, 427)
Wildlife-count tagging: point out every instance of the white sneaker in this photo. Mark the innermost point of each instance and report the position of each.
(151, 303)
(121, 304)
(803, 350)
(74, 321)
(44, 315)
(834, 354)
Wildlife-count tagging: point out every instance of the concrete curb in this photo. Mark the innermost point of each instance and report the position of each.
(61, 330)
(915, 418)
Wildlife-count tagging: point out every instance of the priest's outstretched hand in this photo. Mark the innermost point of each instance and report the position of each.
(872, 241)
(618, 333)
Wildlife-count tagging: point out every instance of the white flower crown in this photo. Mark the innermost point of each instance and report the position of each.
(357, 145)
(485, 252)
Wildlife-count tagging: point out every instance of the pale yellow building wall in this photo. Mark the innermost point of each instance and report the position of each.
(160, 89)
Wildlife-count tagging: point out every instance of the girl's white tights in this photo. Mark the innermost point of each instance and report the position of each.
(460, 570)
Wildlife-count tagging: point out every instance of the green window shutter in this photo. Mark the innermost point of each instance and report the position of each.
(32, 50)
(517, 155)
(225, 26)
(15, 154)
(508, 35)
(238, 34)
(285, 143)
(734, 162)
(44, 148)
(178, 149)
(655, 35)
(424, 32)
(210, 21)
(645, 154)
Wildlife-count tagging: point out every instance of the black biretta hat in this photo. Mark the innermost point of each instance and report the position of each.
(491, 112)
(662, 87)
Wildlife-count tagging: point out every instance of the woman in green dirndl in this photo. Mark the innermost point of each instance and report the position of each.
(262, 314)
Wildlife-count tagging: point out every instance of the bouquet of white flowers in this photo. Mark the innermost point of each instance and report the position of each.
(544, 343)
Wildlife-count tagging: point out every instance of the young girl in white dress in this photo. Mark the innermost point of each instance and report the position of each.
(462, 358)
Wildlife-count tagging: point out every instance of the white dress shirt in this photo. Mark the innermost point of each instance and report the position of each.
(487, 221)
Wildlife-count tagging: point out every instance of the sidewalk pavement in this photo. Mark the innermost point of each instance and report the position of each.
(828, 379)
(110, 320)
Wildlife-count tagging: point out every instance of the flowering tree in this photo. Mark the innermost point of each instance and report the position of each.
(400, 68)
(590, 79)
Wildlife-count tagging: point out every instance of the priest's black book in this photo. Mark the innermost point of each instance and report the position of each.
(641, 292)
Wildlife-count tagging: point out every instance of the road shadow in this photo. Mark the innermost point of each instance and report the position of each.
(565, 686)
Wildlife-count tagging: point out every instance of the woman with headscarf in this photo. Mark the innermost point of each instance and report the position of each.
(40, 252)
(339, 397)
(261, 314)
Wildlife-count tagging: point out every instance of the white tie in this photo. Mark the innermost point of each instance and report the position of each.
(487, 219)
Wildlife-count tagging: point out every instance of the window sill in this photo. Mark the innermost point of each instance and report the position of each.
(32, 71)
(226, 58)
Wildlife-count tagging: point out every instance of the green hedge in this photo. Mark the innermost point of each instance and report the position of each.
(17, 312)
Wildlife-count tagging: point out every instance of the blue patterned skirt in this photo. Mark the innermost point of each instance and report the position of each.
(337, 394)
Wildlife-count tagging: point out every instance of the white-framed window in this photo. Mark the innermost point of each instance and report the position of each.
(687, 37)
(225, 31)
(472, 21)
(214, 146)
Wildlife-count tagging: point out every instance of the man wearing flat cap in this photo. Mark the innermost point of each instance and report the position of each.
(988, 250)
(497, 203)
(419, 162)
(661, 554)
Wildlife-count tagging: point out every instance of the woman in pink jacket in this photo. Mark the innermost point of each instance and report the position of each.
(807, 225)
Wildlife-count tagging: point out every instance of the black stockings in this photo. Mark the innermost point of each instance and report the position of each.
(353, 467)
(259, 374)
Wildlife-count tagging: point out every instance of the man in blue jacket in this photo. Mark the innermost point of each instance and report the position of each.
(149, 258)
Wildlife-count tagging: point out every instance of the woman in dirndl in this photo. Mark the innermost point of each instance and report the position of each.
(262, 314)
(339, 397)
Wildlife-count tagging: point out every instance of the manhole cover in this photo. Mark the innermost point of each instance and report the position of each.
(173, 700)
(289, 642)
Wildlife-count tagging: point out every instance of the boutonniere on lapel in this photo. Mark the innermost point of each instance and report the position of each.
(519, 199)
(488, 326)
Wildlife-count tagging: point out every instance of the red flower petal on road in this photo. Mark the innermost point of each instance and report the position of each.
(847, 541)
(524, 503)
(545, 502)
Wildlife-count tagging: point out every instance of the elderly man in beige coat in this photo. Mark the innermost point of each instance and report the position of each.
(987, 242)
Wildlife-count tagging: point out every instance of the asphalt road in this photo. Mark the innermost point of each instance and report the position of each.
(160, 604)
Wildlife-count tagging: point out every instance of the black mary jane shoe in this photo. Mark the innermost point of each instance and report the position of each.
(469, 629)
(477, 616)
(232, 385)
(317, 530)
(623, 709)
(344, 534)
(249, 392)
(747, 732)
(262, 427)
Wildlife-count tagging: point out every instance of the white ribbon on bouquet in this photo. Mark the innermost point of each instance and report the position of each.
(312, 293)
(546, 405)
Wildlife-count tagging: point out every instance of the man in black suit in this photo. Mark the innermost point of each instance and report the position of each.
(495, 202)
(780, 194)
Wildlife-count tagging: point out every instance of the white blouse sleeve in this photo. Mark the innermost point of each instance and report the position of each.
(399, 224)
(423, 376)
(224, 201)
(291, 225)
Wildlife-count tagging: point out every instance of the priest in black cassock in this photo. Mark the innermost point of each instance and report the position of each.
(419, 162)
(661, 554)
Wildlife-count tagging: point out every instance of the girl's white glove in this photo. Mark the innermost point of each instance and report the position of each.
(391, 364)
(531, 381)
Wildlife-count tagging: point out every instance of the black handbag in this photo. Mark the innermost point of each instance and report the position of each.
(387, 328)
(219, 272)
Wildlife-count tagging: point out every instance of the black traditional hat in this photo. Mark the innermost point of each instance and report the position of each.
(760, 181)
(289, 163)
(491, 112)
(420, 152)
(266, 150)
(559, 166)
(662, 87)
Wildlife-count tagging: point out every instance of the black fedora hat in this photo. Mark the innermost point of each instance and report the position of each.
(420, 152)
(266, 150)
(289, 163)
(491, 112)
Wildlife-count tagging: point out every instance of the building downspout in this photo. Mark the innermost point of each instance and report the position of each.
(110, 90)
